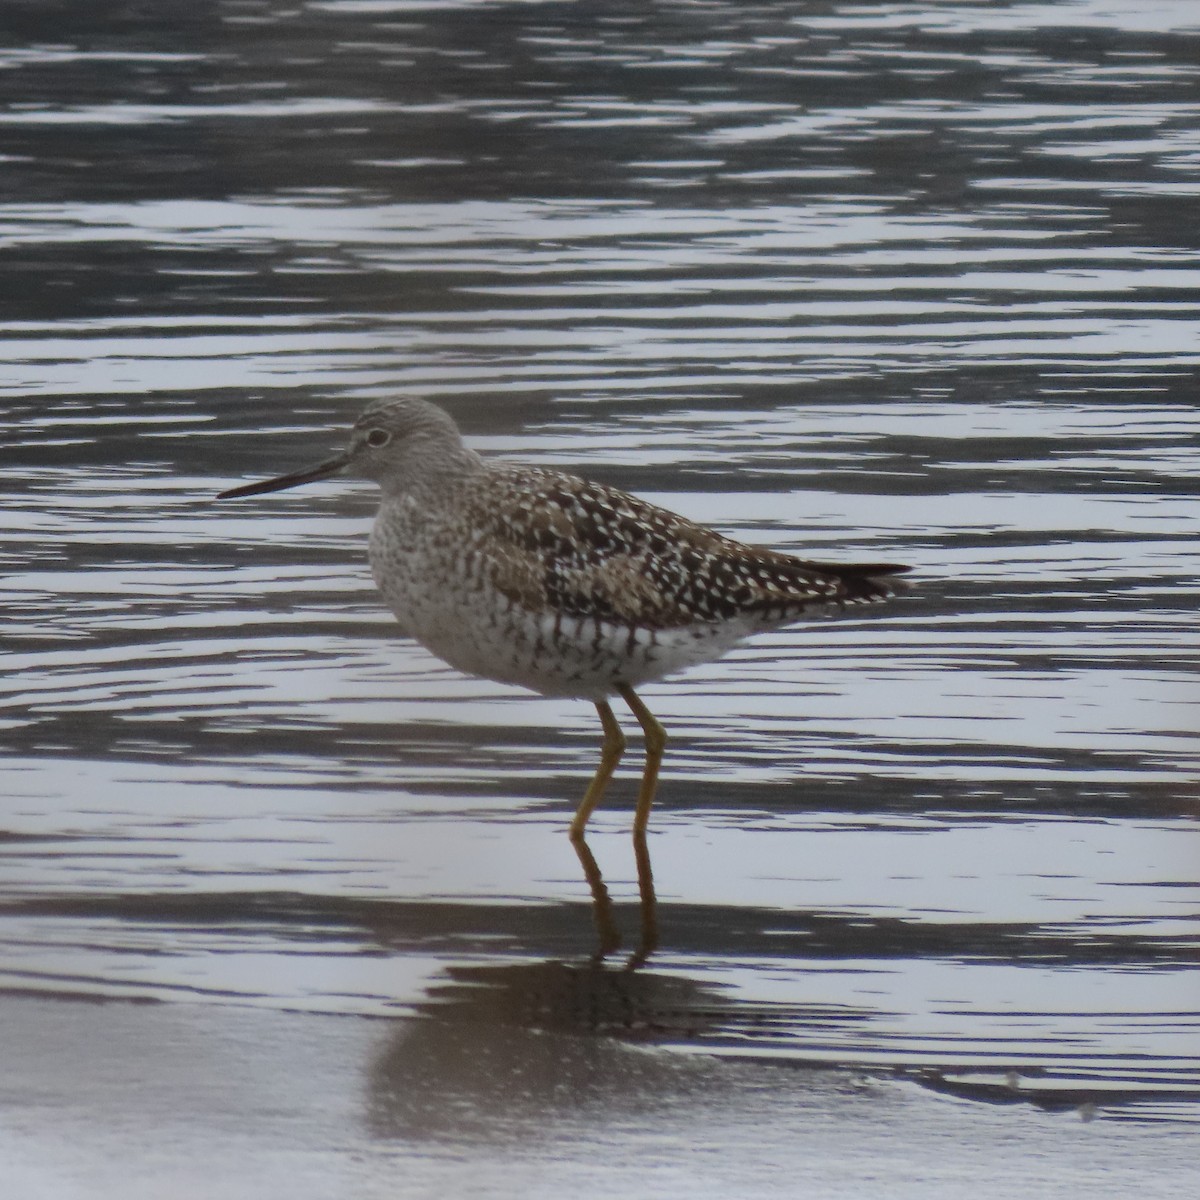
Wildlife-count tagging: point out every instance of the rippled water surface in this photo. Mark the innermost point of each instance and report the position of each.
(859, 281)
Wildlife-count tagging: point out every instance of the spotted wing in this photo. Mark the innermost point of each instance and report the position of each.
(594, 552)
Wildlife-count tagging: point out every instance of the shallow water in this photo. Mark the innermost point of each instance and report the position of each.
(870, 283)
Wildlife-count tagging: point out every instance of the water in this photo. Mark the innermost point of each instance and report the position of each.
(863, 282)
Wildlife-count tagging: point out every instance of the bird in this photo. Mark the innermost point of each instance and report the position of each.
(560, 585)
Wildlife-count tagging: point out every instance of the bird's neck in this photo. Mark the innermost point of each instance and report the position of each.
(429, 472)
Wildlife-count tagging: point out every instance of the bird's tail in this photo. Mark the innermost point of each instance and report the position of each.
(867, 582)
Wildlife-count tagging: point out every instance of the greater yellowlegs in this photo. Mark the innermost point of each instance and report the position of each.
(559, 585)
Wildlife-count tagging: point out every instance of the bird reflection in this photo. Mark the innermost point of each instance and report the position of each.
(531, 1023)
(575, 998)
(608, 933)
(521, 1047)
(490, 1044)
(516, 1049)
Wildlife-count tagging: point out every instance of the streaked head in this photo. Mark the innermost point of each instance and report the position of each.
(398, 443)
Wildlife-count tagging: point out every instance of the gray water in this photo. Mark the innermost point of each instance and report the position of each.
(887, 282)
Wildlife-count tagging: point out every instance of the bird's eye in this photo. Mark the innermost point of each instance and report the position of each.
(378, 437)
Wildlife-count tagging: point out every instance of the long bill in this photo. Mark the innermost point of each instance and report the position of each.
(331, 467)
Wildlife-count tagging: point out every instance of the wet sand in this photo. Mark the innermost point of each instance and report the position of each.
(118, 1101)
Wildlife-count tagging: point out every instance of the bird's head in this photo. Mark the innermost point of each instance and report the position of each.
(397, 443)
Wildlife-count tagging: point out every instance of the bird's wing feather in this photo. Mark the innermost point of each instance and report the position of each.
(595, 552)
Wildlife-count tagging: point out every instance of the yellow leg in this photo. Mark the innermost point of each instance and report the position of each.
(648, 942)
(610, 755)
(656, 743)
(602, 907)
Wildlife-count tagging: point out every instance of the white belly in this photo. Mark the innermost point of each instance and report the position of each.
(473, 627)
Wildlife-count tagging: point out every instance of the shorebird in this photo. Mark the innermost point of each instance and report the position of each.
(563, 586)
